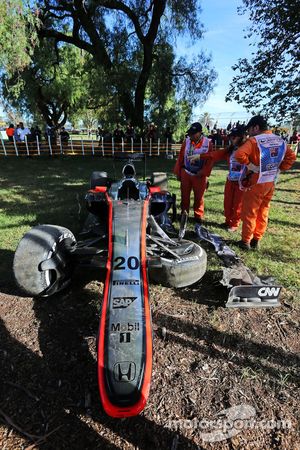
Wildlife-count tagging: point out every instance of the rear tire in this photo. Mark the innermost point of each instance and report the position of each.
(160, 179)
(42, 243)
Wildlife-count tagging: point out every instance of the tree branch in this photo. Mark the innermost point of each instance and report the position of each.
(120, 6)
(50, 33)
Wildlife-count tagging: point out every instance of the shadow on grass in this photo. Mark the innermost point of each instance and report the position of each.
(247, 353)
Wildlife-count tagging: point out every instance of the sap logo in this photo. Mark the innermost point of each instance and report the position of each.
(269, 291)
(122, 302)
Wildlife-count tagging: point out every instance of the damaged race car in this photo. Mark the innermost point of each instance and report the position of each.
(128, 235)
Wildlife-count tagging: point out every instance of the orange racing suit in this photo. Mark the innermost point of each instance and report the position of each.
(258, 195)
(232, 193)
(193, 178)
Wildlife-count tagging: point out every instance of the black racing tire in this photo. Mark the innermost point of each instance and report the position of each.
(160, 179)
(178, 273)
(38, 245)
(98, 179)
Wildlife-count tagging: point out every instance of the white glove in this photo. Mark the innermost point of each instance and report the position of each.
(253, 168)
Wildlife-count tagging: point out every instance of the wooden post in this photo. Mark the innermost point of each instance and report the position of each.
(4, 149)
(50, 146)
(26, 144)
(93, 148)
(71, 142)
(16, 147)
(38, 145)
(60, 145)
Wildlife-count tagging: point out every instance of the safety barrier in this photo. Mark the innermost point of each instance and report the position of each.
(85, 147)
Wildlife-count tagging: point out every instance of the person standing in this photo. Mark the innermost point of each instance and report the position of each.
(232, 193)
(193, 175)
(22, 132)
(264, 155)
(10, 132)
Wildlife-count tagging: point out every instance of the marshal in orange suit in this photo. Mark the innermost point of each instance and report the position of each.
(193, 175)
(264, 155)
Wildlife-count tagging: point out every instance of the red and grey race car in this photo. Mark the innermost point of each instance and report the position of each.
(129, 235)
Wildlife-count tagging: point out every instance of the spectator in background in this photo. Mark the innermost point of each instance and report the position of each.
(118, 134)
(10, 132)
(295, 138)
(129, 133)
(37, 133)
(16, 136)
(51, 136)
(107, 136)
(151, 133)
(22, 132)
(64, 137)
(99, 133)
(229, 126)
(168, 135)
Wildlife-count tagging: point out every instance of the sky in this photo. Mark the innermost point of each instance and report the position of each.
(224, 40)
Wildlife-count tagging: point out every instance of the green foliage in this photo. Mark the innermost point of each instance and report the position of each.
(270, 80)
(18, 36)
(52, 84)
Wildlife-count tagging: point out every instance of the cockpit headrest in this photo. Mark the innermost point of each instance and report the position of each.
(128, 171)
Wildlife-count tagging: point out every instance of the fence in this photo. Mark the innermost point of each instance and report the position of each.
(83, 147)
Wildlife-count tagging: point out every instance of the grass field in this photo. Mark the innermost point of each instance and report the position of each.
(45, 190)
(207, 359)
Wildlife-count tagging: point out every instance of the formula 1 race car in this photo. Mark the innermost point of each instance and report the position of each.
(129, 235)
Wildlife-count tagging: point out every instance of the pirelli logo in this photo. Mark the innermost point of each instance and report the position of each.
(126, 282)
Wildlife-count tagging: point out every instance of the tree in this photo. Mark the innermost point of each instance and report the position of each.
(270, 80)
(18, 35)
(51, 86)
(122, 37)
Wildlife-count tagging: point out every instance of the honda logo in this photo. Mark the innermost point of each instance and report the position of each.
(124, 371)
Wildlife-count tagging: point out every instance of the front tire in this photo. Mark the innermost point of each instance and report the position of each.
(184, 271)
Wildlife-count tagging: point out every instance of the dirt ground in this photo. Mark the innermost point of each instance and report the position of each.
(206, 359)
